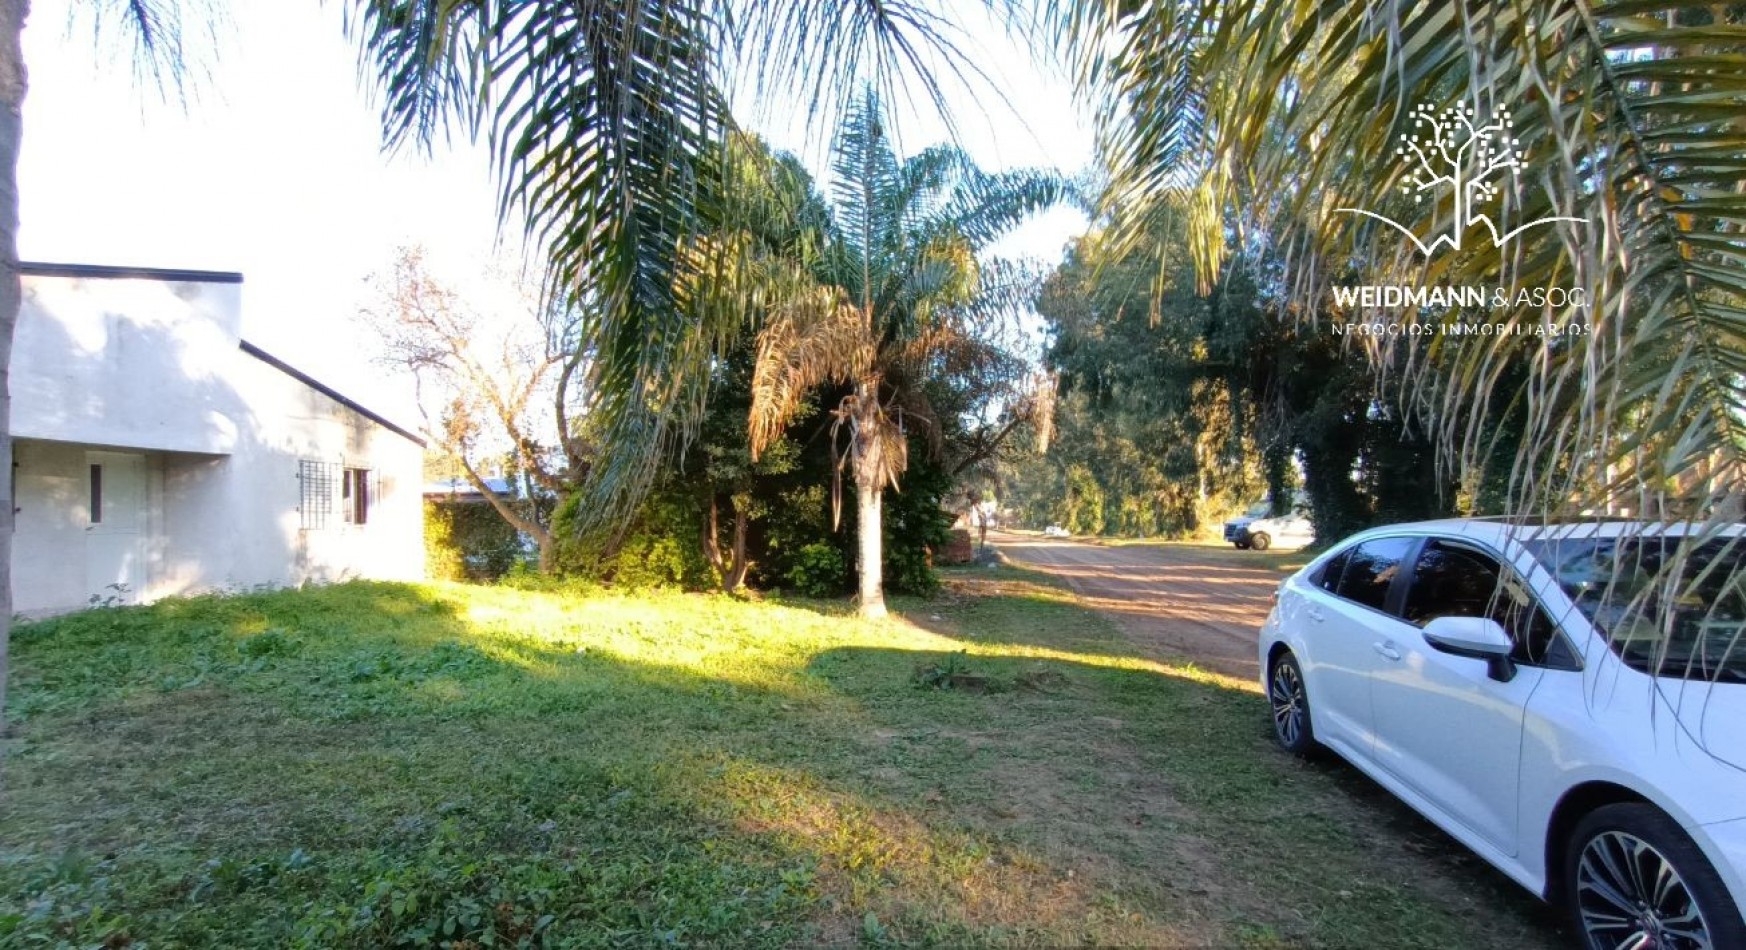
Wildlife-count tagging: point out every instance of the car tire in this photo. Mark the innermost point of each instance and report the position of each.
(1288, 698)
(1241, 545)
(1609, 858)
(1259, 541)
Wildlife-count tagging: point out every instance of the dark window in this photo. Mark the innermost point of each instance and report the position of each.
(1666, 605)
(317, 490)
(1372, 568)
(1329, 577)
(355, 500)
(1453, 580)
(96, 494)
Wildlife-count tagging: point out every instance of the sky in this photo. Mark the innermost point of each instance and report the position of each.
(273, 167)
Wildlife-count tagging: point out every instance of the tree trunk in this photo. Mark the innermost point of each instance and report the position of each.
(12, 88)
(736, 574)
(872, 560)
(533, 529)
(731, 569)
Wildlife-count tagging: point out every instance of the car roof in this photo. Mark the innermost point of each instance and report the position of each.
(1498, 530)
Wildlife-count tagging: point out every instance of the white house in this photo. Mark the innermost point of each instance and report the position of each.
(159, 453)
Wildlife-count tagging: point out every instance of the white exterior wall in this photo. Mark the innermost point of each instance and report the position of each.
(155, 367)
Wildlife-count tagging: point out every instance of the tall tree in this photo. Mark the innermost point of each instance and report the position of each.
(602, 118)
(493, 381)
(12, 89)
(898, 289)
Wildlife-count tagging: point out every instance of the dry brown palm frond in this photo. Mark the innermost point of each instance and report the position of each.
(817, 338)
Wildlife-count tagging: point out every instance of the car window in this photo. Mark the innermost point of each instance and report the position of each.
(1453, 580)
(1328, 578)
(1666, 606)
(1371, 569)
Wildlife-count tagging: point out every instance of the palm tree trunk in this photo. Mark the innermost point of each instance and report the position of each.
(12, 88)
(872, 560)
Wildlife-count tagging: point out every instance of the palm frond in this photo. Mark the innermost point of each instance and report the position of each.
(161, 40)
(819, 337)
(821, 54)
(1628, 115)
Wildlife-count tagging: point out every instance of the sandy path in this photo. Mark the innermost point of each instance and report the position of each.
(1175, 601)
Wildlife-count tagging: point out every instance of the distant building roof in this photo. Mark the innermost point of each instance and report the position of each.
(461, 488)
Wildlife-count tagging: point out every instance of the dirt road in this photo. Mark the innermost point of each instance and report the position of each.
(1182, 601)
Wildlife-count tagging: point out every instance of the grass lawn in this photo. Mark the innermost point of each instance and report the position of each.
(376, 765)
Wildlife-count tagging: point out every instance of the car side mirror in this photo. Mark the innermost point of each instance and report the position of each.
(1481, 638)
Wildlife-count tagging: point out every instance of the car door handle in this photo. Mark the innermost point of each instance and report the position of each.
(1386, 650)
(1314, 614)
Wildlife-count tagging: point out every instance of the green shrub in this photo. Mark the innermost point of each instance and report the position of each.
(818, 570)
(916, 527)
(468, 541)
(661, 548)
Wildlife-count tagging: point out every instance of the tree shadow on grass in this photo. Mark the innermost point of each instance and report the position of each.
(1167, 791)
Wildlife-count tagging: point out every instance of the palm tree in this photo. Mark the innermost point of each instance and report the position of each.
(897, 288)
(1616, 125)
(602, 118)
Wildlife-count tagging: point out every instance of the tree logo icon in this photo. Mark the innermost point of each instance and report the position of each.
(1455, 153)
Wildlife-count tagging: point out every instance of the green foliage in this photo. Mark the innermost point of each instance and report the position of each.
(1156, 426)
(798, 518)
(468, 541)
(1081, 508)
(818, 570)
(916, 526)
(660, 548)
(1179, 408)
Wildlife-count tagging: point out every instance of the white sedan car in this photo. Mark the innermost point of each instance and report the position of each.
(1523, 688)
(1260, 532)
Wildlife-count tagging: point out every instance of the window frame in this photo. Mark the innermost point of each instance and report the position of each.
(357, 495)
(1507, 570)
(1392, 600)
(315, 494)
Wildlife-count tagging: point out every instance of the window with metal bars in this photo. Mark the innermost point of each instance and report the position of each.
(318, 488)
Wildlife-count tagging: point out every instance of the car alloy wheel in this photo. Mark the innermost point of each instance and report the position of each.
(1290, 702)
(1629, 895)
(1260, 541)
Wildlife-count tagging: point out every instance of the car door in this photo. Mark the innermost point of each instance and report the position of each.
(1342, 616)
(1444, 726)
(1296, 530)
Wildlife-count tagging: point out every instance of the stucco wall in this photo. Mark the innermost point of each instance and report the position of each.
(222, 434)
(127, 362)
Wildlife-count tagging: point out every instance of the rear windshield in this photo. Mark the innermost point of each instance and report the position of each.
(1664, 611)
